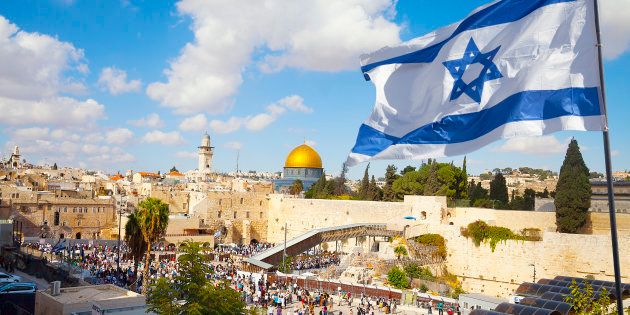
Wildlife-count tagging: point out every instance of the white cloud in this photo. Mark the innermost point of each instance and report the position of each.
(34, 65)
(311, 35)
(165, 138)
(119, 136)
(152, 120)
(544, 145)
(311, 143)
(263, 120)
(115, 81)
(615, 25)
(615, 153)
(231, 125)
(198, 122)
(29, 134)
(186, 155)
(60, 111)
(234, 145)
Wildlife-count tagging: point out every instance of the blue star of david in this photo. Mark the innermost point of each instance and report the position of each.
(457, 67)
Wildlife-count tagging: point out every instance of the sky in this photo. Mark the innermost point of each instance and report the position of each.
(133, 85)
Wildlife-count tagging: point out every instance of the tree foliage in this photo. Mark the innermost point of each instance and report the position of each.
(400, 250)
(174, 169)
(388, 189)
(433, 178)
(414, 271)
(134, 240)
(499, 191)
(191, 292)
(152, 215)
(296, 188)
(585, 301)
(573, 192)
(397, 278)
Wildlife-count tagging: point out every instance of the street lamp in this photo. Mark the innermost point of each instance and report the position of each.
(533, 265)
(118, 260)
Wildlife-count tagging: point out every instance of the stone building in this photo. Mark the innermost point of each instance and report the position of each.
(52, 217)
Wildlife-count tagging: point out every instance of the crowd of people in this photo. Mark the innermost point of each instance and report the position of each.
(316, 261)
(245, 250)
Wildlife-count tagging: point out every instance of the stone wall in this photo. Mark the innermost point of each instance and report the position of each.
(302, 215)
(500, 272)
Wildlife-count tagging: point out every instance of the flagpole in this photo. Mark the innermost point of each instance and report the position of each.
(609, 180)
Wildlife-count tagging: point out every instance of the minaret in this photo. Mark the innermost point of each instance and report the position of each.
(15, 158)
(205, 155)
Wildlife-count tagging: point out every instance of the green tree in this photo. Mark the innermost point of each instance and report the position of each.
(573, 192)
(499, 191)
(411, 183)
(432, 185)
(296, 187)
(152, 219)
(192, 292)
(400, 250)
(174, 169)
(390, 177)
(478, 193)
(375, 193)
(397, 278)
(340, 187)
(407, 169)
(364, 188)
(135, 241)
(54, 167)
(461, 177)
(586, 302)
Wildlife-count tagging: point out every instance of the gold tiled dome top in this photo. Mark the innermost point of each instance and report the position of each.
(303, 157)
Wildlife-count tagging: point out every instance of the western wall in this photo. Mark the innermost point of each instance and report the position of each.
(480, 269)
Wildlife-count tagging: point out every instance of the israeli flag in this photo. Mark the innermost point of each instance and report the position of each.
(511, 68)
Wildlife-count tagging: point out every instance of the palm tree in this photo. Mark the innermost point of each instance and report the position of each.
(400, 250)
(152, 219)
(135, 241)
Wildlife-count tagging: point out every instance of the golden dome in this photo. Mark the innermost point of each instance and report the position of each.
(303, 156)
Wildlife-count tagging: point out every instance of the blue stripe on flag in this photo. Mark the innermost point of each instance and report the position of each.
(499, 13)
(522, 106)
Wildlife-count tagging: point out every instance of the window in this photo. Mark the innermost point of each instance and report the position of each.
(234, 214)
(261, 202)
(93, 210)
(261, 214)
(78, 222)
(74, 210)
(56, 221)
(241, 200)
(219, 202)
(219, 214)
(65, 209)
(64, 223)
(247, 214)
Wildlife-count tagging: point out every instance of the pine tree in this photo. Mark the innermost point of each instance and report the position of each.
(174, 169)
(573, 192)
(365, 184)
(471, 189)
(407, 169)
(462, 182)
(390, 177)
(499, 191)
(54, 166)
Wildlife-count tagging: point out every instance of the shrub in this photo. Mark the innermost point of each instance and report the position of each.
(424, 288)
(479, 231)
(397, 278)
(414, 271)
(434, 240)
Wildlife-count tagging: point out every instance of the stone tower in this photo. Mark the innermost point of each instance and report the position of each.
(205, 155)
(14, 160)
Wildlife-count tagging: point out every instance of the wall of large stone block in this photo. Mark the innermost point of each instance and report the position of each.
(500, 272)
(303, 215)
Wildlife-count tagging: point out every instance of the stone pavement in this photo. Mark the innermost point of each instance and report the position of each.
(344, 309)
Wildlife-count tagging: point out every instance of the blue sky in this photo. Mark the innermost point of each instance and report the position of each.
(86, 80)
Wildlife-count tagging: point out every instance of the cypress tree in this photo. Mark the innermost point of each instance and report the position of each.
(498, 190)
(432, 186)
(390, 177)
(340, 185)
(365, 184)
(573, 192)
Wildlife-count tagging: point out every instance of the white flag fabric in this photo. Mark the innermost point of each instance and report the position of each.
(511, 68)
